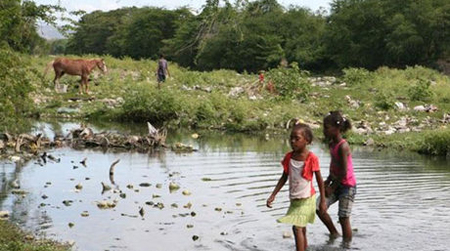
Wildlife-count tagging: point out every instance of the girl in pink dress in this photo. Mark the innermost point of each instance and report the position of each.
(340, 184)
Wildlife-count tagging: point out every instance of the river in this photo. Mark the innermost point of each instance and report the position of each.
(402, 201)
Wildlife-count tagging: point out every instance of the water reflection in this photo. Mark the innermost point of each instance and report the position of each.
(402, 201)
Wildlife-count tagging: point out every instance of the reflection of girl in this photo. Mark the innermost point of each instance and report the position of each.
(299, 166)
(341, 183)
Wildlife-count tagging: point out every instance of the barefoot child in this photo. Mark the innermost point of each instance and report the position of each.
(341, 183)
(299, 166)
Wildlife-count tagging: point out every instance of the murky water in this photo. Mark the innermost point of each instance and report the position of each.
(402, 201)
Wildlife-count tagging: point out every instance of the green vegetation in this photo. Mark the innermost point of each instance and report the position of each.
(13, 239)
(254, 35)
(382, 100)
(15, 102)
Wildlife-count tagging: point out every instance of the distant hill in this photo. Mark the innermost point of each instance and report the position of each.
(49, 32)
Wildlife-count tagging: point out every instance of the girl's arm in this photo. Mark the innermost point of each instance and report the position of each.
(320, 184)
(278, 187)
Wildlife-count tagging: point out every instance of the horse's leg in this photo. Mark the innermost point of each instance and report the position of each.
(87, 85)
(83, 83)
(58, 75)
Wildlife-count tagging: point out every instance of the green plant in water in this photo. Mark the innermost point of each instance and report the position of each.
(436, 143)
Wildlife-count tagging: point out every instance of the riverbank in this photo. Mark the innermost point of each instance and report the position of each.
(386, 106)
(13, 238)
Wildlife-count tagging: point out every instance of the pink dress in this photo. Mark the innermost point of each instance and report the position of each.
(349, 180)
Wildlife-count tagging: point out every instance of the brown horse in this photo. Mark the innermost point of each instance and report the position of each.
(77, 67)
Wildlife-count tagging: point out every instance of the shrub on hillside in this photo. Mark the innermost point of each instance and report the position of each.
(144, 103)
(357, 76)
(290, 82)
(420, 91)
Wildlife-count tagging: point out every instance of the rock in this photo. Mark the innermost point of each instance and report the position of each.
(235, 91)
(85, 214)
(194, 136)
(145, 184)
(186, 192)
(4, 215)
(287, 235)
(79, 186)
(15, 184)
(188, 205)
(419, 108)
(71, 225)
(195, 237)
(400, 106)
(67, 203)
(369, 142)
(105, 187)
(173, 186)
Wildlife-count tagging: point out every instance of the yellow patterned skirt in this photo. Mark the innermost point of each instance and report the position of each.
(300, 212)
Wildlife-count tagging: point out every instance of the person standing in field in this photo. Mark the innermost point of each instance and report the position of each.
(162, 70)
(340, 185)
(299, 166)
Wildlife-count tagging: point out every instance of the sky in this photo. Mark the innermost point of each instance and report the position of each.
(107, 5)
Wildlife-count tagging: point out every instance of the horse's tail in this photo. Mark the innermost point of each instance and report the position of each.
(48, 66)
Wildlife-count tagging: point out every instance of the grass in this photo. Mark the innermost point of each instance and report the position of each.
(203, 100)
(14, 239)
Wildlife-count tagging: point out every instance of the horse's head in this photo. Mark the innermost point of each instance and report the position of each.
(102, 65)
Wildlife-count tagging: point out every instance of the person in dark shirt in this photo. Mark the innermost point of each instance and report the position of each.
(162, 71)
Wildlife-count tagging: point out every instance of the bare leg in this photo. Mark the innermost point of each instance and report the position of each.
(326, 219)
(300, 239)
(304, 236)
(346, 228)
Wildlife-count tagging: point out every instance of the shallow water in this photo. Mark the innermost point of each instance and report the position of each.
(402, 201)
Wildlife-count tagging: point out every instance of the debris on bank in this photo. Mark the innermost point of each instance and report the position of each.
(82, 137)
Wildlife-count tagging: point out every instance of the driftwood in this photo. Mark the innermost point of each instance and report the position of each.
(82, 137)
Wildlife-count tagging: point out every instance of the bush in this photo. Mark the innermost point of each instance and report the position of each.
(420, 91)
(15, 103)
(384, 100)
(144, 103)
(291, 83)
(357, 76)
(436, 143)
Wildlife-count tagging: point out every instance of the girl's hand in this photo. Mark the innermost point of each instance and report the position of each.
(322, 206)
(329, 190)
(269, 201)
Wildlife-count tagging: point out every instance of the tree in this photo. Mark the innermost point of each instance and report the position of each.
(18, 24)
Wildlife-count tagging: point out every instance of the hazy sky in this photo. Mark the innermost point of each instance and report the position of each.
(106, 5)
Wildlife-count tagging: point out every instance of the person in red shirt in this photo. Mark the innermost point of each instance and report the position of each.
(299, 166)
